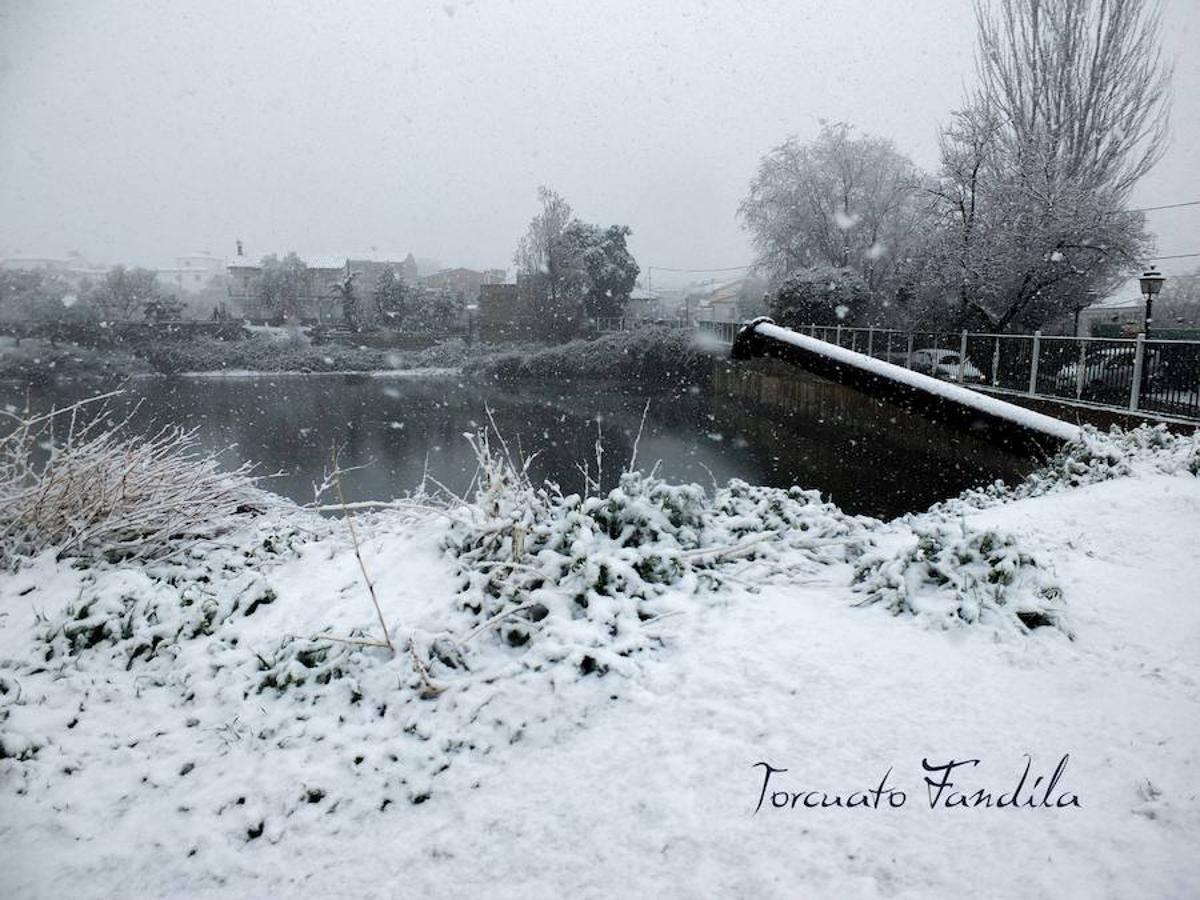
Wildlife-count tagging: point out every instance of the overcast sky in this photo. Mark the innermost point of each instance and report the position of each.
(136, 131)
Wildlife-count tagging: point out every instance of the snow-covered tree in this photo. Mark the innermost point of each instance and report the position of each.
(841, 200)
(28, 295)
(569, 268)
(433, 310)
(599, 267)
(391, 297)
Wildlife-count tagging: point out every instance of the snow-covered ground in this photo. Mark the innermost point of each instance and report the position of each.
(198, 765)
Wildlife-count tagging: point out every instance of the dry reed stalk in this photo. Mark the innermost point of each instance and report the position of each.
(100, 489)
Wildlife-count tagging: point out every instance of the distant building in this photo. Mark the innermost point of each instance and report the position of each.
(1121, 311)
(643, 305)
(732, 301)
(192, 274)
(317, 298)
(367, 270)
(465, 282)
(72, 268)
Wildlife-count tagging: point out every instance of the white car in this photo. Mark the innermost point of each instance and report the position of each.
(945, 364)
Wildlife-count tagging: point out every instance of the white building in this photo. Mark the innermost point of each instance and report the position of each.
(72, 268)
(192, 274)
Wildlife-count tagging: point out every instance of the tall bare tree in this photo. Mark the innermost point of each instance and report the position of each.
(1029, 212)
(1079, 86)
(540, 251)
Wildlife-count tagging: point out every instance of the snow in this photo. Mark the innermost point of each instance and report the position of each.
(964, 396)
(845, 220)
(642, 780)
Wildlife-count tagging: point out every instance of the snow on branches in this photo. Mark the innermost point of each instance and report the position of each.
(75, 481)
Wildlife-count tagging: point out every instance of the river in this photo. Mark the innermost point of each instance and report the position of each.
(866, 457)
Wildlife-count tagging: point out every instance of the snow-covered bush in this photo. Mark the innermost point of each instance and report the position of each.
(152, 614)
(576, 578)
(951, 575)
(1097, 456)
(81, 485)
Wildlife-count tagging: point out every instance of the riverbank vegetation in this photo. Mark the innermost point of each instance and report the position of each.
(37, 361)
(655, 355)
(273, 674)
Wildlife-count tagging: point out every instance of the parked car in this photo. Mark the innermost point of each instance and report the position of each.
(945, 364)
(1108, 374)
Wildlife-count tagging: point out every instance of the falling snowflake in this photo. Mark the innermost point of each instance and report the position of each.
(845, 221)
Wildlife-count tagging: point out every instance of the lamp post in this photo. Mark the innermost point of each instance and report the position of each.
(1152, 282)
(471, 308)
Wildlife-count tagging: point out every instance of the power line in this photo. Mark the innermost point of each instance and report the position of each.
(1168, 206)
(1177, 256)
(723, 269)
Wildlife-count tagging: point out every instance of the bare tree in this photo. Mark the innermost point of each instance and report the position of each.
(540, 251)
(123, 294)
(1079, 86)
(1028, 214)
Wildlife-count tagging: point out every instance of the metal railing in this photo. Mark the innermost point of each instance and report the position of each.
(724, 331)
(1152, 376)
(607, 326)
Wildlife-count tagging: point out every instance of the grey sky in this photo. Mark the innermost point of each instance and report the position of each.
(136, 131)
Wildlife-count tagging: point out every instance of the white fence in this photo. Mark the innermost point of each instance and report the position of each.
(1153, 376)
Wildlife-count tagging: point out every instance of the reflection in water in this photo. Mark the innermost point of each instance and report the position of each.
(868, 458)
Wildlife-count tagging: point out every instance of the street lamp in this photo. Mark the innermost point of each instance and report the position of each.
(1152, 282)
(471, 308)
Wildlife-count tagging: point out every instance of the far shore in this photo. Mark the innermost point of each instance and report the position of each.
(651, 353)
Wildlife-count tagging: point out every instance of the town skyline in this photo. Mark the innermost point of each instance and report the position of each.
(432, 128)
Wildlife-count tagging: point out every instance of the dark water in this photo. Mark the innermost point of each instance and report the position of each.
(866, 457)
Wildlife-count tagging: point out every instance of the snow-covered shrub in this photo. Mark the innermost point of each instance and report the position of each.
(82, 486)
(152, 613)
(794, 519)
(953, 575)
(576, 578)
(1097, 456)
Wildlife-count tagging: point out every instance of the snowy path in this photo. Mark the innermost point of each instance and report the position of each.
(655, 792)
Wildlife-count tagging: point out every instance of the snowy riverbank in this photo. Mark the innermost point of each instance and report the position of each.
(37, 361)
(581, 689)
